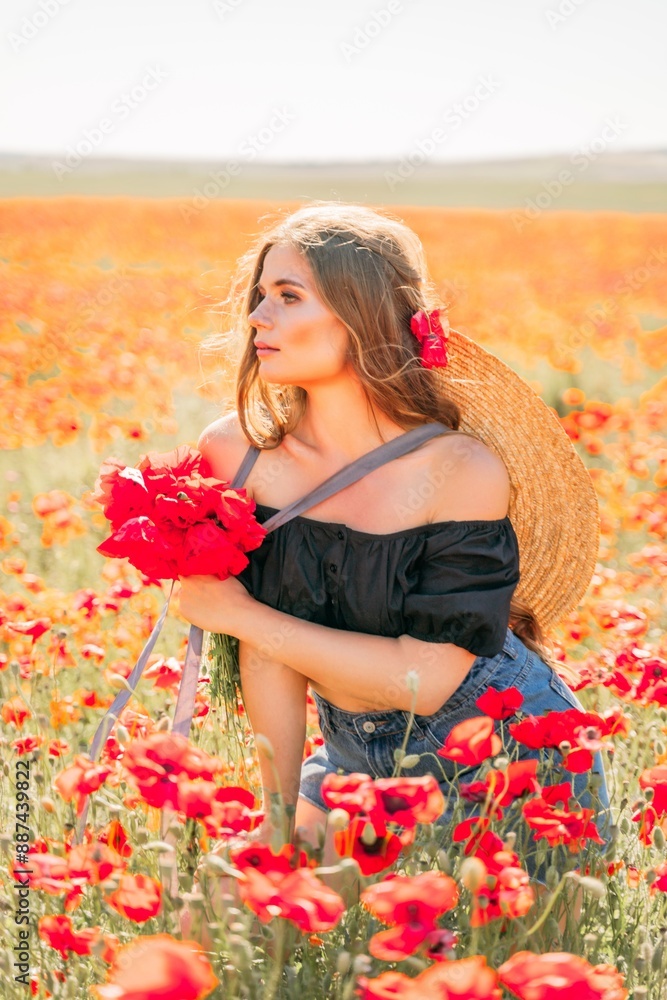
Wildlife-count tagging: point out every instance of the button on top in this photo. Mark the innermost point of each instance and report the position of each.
(333, 567)
(368, 727)
(341, 534)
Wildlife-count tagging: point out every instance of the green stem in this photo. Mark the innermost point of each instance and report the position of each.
(548, 908)
(279, 960)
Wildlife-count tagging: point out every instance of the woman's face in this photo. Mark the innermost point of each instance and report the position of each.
(309, 343)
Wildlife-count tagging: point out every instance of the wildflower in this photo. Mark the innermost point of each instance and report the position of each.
(34, 628)
(559, 975)
(80, 779)
(505, 894)
(502, 787)
(372, 856)
(465, 979)
(15, 711)
(500, 704)
(558, 729)
(472, 741)
(406, 801)
(169, 969)
(138, 898)
(93, 863)
(298, 896)
(58, 933)
(411, 904)
(560, 825)
(351, 792)
(264, 859)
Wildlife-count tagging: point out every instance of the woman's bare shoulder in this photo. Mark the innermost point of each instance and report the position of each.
(224, 445)
(475, 480)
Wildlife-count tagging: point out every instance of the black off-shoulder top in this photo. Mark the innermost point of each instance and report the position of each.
(449, 581)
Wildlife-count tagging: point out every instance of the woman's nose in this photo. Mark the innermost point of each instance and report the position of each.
(258, 318)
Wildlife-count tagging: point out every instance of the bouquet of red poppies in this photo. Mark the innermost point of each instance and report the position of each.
(170, 517)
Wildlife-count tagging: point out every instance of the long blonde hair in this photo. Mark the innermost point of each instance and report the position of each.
(370, 271)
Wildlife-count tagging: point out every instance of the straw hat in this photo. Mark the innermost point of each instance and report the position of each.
(553, 505)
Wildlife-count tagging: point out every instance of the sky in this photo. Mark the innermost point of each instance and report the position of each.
(308, 81)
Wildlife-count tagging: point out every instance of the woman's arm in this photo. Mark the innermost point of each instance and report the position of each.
(372, 668)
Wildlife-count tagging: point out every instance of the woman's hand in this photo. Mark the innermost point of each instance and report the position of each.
(214, 605)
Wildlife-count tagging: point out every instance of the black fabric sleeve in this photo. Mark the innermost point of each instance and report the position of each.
(466, 579)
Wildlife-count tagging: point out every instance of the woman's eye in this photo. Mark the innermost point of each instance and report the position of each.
(289, 295)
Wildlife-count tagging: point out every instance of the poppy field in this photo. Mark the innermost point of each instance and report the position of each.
(135, 876)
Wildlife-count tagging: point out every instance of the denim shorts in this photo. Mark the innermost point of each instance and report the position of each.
(365, 742)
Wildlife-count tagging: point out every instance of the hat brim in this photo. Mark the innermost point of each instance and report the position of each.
(553, 504)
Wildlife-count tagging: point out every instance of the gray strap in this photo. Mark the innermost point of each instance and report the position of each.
(249, 460)
(400, 445)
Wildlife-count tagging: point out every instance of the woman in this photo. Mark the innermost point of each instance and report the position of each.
(395, 593)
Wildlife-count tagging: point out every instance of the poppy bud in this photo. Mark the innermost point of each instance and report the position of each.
(338, 819)
(552, 877)
(412, 681)
(592, 886)
(473, 874)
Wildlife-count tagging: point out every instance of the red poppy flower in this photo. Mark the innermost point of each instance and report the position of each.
(169, 969)
(560, 976)
(48, 872)
(386, 986)
(81, 778)
(157, 762)
(406, 801)
(298, 896)
(27, 744)
(472, 741)
(114, 835)
(137, 898)
(439, 945)
(165, 673)
(351, 792)
(372, 854)
(557, 728)
(507, 893)
(655, 778)
(231, 812)
(471, 829)
(170, 517)
(411, 904)
(502, 787)
(264, 859)
(428, 329)
(560, 825)
(58, 933)
(15, 711)
(500, 704)
(659, 883)
(465, 979)
(34, 628)
(94, 863)
(195, 798)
